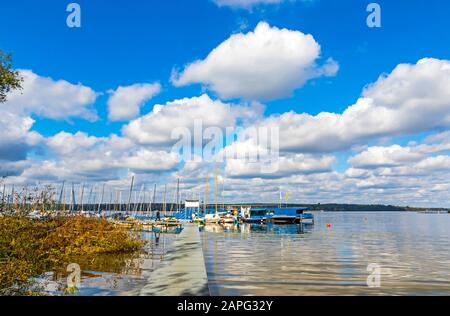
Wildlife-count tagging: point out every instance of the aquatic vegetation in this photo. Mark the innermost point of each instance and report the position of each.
(29, 248)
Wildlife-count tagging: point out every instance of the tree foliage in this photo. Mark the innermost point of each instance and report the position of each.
(10, 79)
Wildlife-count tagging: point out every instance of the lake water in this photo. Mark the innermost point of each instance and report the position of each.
(114, 275)
(410, 250)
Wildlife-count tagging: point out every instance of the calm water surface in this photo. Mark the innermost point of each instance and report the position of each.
(114, 275)
(411, 249)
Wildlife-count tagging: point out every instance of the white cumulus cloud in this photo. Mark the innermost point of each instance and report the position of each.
(244, 3)
(396, 155)
(249, 4)
(287, 166)
(265, 64)
(54, 99)
(375, 157)
(156, 127)
(16, 137)
(413, 98)
(125, 102)
(82, 157)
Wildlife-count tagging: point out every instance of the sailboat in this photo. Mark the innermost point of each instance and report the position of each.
(171, 220)
(209, 218)
(212, 218)
(228, 217)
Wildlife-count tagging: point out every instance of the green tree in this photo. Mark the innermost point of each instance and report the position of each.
(9, 78)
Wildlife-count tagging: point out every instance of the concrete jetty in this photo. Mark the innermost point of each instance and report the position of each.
(183, 271)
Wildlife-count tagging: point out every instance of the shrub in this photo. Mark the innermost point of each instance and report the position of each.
(29, 248)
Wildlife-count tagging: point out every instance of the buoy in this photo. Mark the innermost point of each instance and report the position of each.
(328, 226)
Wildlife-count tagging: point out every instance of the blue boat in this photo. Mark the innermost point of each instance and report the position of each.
(254, 216)
(307, 218)
(288, 215)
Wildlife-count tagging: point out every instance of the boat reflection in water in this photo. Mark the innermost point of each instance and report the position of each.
(283, 216)
(275, 229)
(267, 229)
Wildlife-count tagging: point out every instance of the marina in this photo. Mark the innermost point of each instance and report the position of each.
(328, 258)
(197, 249)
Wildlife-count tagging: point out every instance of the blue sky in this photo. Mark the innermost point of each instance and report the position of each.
(122, 43)
(132, 41)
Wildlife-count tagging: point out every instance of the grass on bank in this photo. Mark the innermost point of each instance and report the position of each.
(29, 248)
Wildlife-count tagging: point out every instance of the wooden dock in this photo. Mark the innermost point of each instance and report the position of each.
(183, 271)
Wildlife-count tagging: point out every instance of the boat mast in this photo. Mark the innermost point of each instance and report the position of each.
(64, 199)
(120, 201)
(178, 195)
(116, 201)
(12, 196)
(143, 200)
(129, 196)
(205, 203)
(281, 199)
(25, 206)
(164, 202)
(3, 196)
(61, 194)
(82, 198)
(172, 204)
(111, 201)
(101, 199)
(72, 202)
(90, 198)
(153, 199)
(287, 199)
(139, 200)
(223, 194)
(217, 191)
(136, 202)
